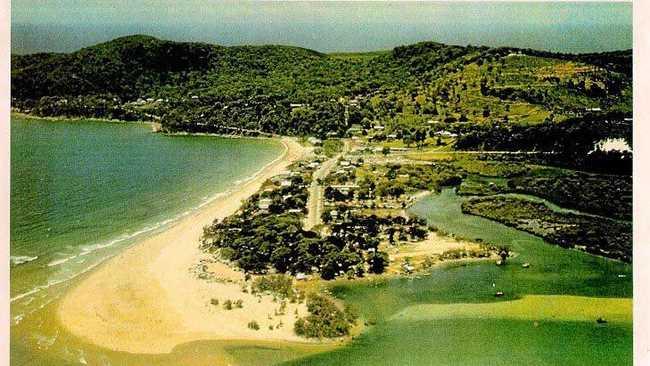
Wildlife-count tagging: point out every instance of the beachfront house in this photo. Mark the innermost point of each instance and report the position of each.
(264, 204)
(280, 177)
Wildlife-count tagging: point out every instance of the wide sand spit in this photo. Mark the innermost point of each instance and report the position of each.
(149, 299)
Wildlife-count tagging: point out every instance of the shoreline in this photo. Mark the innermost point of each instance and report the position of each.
(77, 119)
(155, 126)
(148, 300)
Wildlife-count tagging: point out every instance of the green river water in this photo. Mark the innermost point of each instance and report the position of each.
(482, 340)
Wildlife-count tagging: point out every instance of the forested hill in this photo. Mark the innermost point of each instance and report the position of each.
(296, 91)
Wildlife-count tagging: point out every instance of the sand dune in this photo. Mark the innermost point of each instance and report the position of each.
(148, 299)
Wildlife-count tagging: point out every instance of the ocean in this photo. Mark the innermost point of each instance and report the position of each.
(81, 191)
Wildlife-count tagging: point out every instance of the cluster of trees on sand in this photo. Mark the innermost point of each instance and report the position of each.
(325, 319)
(278, 242)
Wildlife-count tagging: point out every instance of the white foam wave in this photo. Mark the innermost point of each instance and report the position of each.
(21, 259)
(55, 282)
(61, 261)
(85, 250)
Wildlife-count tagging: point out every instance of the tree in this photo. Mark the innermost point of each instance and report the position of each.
(377, 262)
(408, 138)
(419, 137)
(504, 253)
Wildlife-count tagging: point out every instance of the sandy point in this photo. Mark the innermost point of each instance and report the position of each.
(149, 299)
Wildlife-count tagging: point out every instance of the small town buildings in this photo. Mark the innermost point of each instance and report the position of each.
(280, 177)
(403, 177)
(285, 183)
(264, 203)
(315, 141)
(344, 188)
(446, 134)
(355, 129)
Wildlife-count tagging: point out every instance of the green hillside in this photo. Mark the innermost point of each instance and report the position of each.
(296, 91)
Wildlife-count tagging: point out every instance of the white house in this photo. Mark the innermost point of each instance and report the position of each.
(315, 141)
(264, 203)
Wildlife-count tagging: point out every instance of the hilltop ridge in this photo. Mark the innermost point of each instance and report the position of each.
(288, 90)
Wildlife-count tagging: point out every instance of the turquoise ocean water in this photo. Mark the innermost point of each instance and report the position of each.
(81, 191)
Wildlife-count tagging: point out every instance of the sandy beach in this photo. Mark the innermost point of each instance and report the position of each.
(149, 298)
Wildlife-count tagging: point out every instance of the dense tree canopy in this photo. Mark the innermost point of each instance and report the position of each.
(296, 91)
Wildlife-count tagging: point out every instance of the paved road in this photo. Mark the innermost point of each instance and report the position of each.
(315, 199)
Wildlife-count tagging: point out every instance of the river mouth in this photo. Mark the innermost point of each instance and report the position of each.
(469, 323)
